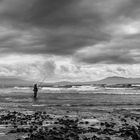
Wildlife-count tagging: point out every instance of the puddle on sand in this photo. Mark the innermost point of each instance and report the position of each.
(91, 120)
(19, 100)
(3, 126)
(2, 134)
(24, 136)
(28, 112)
(38, 105)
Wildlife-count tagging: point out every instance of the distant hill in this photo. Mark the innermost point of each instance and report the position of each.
(118, 80)
(13, 81)
(109, 81)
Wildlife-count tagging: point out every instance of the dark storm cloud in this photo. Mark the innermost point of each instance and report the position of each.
(49, 13)
(37, 12)
(123, 51)
(63, 27)
(109, 59)
(130, 9)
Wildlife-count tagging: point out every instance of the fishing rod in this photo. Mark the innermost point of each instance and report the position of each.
(37, 87)
(42, 81)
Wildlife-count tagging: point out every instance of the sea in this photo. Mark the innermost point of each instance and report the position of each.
(76, 98)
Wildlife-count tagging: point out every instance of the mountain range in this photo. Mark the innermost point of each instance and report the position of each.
(6, 81)
(14, 81)
(108, 81)
(118, 80)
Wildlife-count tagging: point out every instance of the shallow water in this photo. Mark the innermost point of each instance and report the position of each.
(83, 102)
(66, 99)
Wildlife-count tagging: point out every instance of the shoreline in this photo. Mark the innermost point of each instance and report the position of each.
(39, 125)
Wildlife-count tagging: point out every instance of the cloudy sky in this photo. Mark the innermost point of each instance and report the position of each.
(69, 39)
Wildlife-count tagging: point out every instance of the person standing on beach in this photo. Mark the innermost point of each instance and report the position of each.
(35, 90)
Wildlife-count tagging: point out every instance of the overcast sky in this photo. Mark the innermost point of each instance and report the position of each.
(69, 39)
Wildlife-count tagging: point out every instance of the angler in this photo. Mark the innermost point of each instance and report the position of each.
(35, 90)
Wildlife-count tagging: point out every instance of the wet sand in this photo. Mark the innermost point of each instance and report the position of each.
(69, 116)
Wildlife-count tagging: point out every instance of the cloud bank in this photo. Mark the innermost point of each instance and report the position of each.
(87, 32)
